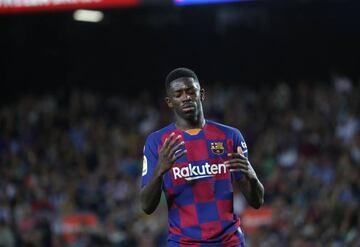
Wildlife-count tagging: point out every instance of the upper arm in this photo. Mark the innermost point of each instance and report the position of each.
(150, 159)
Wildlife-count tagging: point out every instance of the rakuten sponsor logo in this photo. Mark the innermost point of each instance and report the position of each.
(191, 172)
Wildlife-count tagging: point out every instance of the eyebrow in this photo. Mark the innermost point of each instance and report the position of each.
(184, 89)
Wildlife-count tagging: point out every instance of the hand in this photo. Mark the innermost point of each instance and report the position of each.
(239, 162)
(170, 152)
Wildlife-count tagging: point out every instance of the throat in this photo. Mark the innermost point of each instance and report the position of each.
(192, 126)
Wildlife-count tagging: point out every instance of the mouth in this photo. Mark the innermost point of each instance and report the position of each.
(188, 107)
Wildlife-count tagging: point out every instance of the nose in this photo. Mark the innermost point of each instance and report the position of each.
(186, 96)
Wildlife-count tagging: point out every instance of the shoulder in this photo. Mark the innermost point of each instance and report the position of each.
(229, 130)
(157, 136)
(232, 133)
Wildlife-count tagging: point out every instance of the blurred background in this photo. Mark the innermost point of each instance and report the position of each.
(80, 91)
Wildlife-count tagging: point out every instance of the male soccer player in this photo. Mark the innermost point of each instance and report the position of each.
(196, 162)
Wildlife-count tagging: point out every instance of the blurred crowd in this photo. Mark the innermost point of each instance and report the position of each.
(70, 164)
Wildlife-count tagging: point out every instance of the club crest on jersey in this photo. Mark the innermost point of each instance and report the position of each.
(217, 148)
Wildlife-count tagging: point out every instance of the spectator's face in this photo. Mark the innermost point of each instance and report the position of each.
(185, 97)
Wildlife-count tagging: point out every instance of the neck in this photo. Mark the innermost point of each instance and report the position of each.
(198, 121)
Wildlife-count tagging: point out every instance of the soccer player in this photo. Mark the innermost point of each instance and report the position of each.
(196, 162)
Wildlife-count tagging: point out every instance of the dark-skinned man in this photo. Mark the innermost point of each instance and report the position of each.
(196, 162)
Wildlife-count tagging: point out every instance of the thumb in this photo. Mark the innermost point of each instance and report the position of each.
(239, 150)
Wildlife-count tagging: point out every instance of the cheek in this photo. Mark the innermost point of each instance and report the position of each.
(175, 104)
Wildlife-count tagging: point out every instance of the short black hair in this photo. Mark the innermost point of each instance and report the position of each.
(179, 73)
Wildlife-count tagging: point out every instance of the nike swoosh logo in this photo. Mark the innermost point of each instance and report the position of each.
(194, 178)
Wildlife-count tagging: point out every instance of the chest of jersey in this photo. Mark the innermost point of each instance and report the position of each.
(200, 176)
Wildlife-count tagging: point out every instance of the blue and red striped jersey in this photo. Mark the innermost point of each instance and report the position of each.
(198, 187)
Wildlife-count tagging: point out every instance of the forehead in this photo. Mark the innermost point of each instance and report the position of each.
(183, 83)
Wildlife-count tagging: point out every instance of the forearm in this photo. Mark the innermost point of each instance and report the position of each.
(253, 191)
(151, 193)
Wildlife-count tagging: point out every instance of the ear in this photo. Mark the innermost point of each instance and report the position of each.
(202, 94)
(168, 102)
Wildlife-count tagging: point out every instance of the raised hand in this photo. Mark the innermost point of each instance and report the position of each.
(238, 162)
(170, 152)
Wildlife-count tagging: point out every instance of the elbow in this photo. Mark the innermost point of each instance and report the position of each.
(259, 198)
(147, 210)
(145, 206)
(258, 203)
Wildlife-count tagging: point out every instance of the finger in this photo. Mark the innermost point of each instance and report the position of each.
(237, 166)
(242, 161)
(176, 148)
(235, 170)
(239, 150)
(178, 154)
(169, 143)
(167, 140)
(236, 155)
(239, 170)
(174, 141)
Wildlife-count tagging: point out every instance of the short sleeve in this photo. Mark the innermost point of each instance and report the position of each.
(150, 159)
(239, 141)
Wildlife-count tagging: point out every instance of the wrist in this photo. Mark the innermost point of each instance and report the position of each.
(254, 180)
(158, 172)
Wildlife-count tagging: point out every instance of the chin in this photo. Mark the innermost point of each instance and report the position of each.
(189, 115)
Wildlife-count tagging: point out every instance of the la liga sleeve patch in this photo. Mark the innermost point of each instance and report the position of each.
(145, 166)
